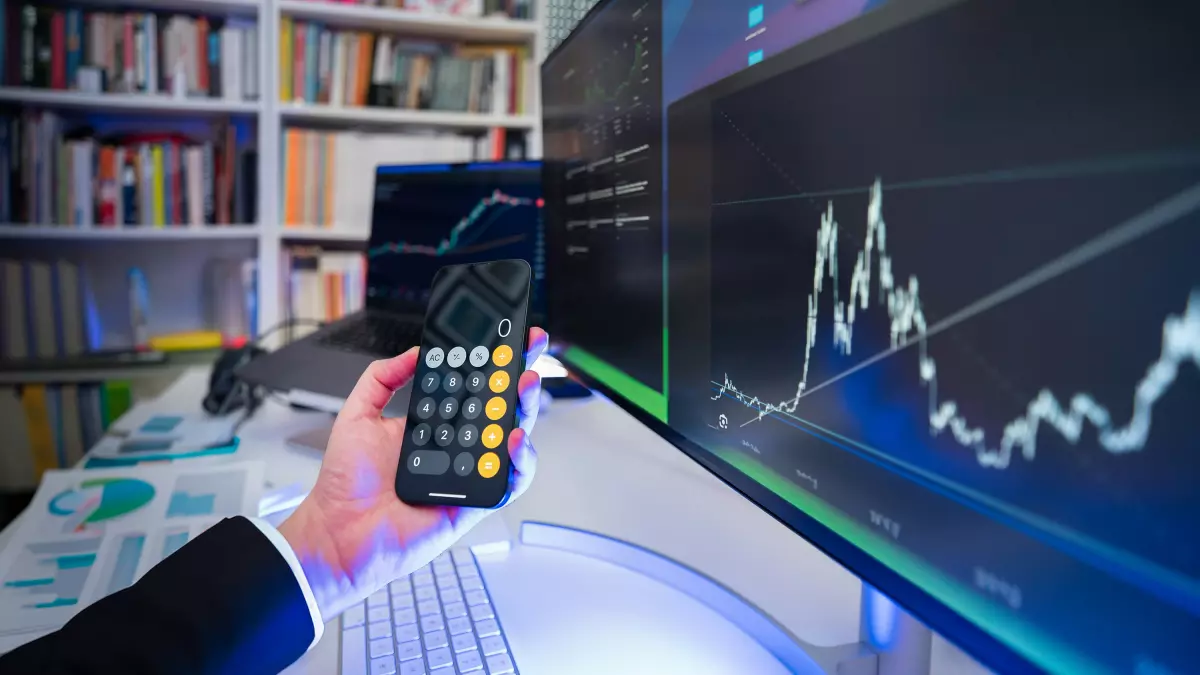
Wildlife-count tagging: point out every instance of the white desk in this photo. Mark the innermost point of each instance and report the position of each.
(600, 470)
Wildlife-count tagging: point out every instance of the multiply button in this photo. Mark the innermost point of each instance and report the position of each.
(489, 464)
(492, 435)
(502, 355)
(496, 407)
(498, 381)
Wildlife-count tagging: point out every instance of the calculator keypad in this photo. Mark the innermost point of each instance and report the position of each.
(461, 416)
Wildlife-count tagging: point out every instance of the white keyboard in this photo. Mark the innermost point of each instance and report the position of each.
(437, 621)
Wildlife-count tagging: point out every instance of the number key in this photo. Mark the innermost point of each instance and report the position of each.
(444, 435)
(430, 383)
(452, 383)
(467, 435)
(425, 408)
(475, 382)
(471, 408)
(448, 408)
(420, 435)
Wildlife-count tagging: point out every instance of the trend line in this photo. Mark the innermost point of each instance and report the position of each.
(452, 242)
(596, 91)
(1180, 345)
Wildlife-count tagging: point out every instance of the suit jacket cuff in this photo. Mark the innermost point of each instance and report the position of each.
(293, 562)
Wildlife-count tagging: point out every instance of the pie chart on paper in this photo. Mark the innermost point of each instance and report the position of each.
(96, 501)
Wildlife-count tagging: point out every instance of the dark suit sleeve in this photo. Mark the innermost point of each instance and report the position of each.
(227, 602)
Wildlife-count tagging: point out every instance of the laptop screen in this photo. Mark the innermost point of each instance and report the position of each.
(430, 215)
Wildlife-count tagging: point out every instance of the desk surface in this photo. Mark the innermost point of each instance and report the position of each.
(600, 470)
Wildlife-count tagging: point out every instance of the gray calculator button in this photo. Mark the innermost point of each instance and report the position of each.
(456, 357)
(448, 408)
(428, 462)
(430, 382)
(479, 356)
(464, 462)
(453, 382)
(471, 408)
(421, 434)
(476, 381)
(426, 407)
(434, 357)
(467, 435)
(443, 436)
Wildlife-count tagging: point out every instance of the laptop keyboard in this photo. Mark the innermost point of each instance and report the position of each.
(437, 621)
(377, 335)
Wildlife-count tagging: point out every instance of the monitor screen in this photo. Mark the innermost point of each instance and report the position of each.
(427, 216)
(932, 301)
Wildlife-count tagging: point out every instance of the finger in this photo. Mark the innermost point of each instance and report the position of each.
(529, 395)
(539, 341)
(524, 460)
(378, 383)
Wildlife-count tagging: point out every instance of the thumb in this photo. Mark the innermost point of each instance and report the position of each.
(378, 383)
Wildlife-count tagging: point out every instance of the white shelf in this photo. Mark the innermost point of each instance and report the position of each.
(140, 233)
(485, 29)
(386, 117)
(308, 233)
(148, 103)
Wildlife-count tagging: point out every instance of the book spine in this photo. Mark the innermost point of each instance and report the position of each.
(208, 178)
(285, 59)
(201, 56)
(38, 422)
(215, 84)
(298, 56)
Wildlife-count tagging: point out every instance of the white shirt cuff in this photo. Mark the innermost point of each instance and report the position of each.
(293, 562)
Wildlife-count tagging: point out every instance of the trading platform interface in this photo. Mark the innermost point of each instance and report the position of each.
(933, 277)
(604, 188)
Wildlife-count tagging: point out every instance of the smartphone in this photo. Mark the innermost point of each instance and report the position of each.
(464, 399)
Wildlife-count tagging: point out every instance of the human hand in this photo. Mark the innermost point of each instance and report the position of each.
(352, 534)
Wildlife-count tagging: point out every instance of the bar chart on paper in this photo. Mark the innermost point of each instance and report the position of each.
(45, 582)
(208, 494)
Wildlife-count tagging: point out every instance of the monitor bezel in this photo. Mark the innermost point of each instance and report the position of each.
(940, 618)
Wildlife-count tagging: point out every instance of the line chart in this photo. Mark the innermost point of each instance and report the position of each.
(595, 92)
(459, 235)
(1180, 346)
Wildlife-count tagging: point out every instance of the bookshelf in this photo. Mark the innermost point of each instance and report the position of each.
(268, 117)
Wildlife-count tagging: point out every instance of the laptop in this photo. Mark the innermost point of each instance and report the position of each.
(424, 216)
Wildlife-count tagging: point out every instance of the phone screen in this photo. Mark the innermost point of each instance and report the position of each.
(464, 400)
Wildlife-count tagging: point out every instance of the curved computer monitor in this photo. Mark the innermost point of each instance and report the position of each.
(918, 278)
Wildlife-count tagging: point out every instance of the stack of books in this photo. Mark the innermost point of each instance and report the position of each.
(513, 9)
(55, 47)
(50, 175)
(352, 68)
(322, 285)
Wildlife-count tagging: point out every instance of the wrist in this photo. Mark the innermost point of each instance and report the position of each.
(309, 539)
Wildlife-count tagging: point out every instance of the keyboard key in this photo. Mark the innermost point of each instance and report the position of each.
(476, 597)
(472, 584)
(407, 633)
(439, 657)
(403, 617)
(452, 595)
(378, 647)
(428, 607)
(414, 667)
(469, 570)
(378, 599)
(443, 567)
(409, 650)
(354, 650)
(493, 644)
(462, 556)
(444, 556)
(448, 581)
(463, 642)
(436, 639)
(460, 625)
(402, 601)
(499, 664)
(380, 629)
(487, 627)
(378, 614)
(383, 666)
(425, 593)
(422, 579)
(401, 585)
(481, 612)
(455, 610)
(469, 660)
(432, 623)
(448, 670)
(355, 616)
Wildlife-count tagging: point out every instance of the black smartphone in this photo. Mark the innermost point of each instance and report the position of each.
(464, 401)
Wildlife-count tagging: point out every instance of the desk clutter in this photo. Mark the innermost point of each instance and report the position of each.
(90, 533)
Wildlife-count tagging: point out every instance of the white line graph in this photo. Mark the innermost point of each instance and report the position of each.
(1180, 345)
